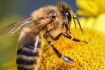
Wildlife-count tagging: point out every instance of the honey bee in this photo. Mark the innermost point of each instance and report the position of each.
(49, 23)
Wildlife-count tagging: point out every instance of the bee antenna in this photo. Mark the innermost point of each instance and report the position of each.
(78, 23)
(74, 23)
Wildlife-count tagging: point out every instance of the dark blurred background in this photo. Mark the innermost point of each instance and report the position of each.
(10, 12)
(25, 7)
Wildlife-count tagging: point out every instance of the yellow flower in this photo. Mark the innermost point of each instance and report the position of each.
(94, 10)
(89, 56)
(91, 7)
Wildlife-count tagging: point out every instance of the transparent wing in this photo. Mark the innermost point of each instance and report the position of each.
(14, 27)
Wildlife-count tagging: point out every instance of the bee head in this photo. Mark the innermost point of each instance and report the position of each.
(67, 13)
(65, 9)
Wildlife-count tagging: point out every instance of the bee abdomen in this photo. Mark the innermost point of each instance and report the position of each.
(27, 58)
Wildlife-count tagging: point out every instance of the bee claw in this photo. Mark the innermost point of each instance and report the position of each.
(67, 59)
(85, 42)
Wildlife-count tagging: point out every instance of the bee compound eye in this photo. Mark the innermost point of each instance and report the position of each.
(53, 18)
(66, 13)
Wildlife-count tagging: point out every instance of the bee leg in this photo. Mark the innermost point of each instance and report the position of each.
(55, 38)
(74, 39)
(67, 36)
(67, 27)
(65, 58)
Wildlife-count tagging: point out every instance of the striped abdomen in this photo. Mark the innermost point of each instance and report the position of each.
(28, 57)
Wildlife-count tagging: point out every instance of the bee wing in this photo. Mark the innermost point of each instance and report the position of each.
(36, 43)
(14, 27)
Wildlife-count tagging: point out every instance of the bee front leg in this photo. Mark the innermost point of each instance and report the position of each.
(55, 38)
(67, 36)
(65, 58)
(72, 38)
